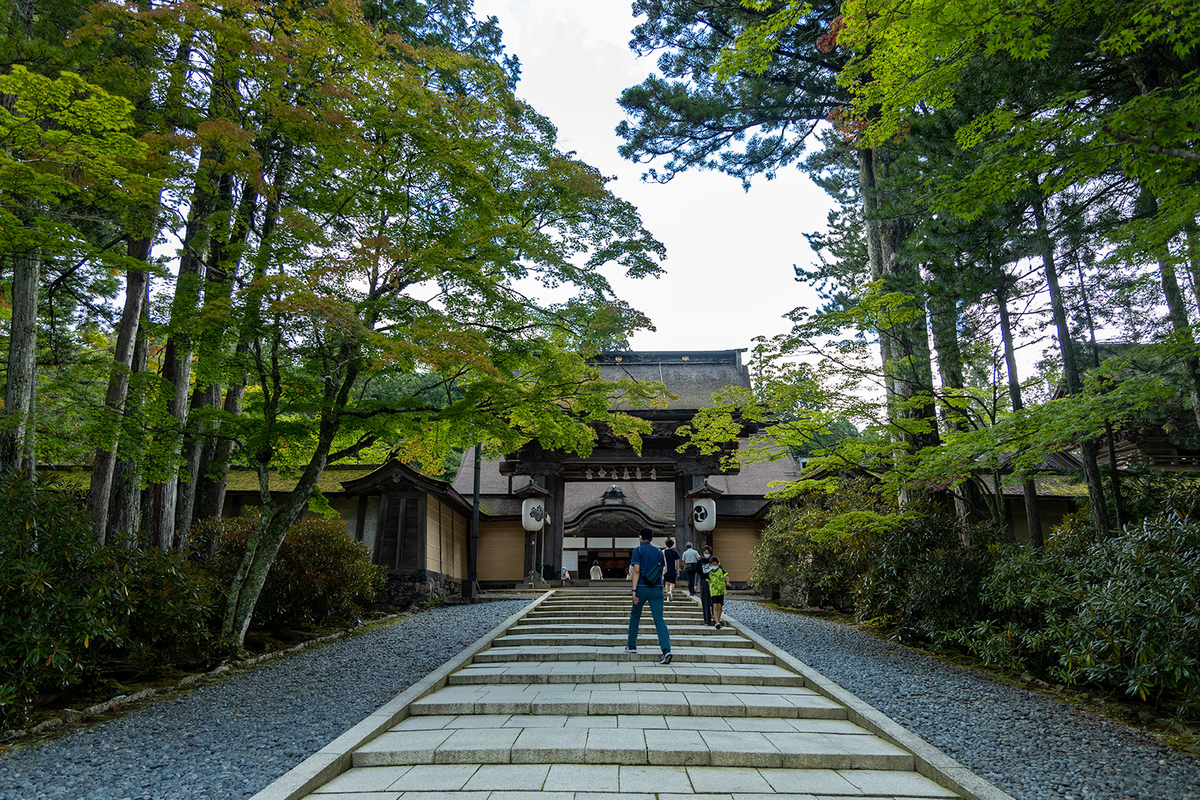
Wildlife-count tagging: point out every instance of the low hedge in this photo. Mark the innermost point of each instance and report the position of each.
(319, 576)
(69, 605)
(1120, 614)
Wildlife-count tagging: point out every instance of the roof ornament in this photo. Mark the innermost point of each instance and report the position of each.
(614, 493)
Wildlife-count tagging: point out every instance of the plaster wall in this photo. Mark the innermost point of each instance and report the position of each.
(445, 539)
(371, 523)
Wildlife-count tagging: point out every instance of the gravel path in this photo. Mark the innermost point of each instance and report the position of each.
(230, 739)
(1029, 745)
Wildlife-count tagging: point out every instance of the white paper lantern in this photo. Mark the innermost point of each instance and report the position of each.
(704, 514)
(533, 513)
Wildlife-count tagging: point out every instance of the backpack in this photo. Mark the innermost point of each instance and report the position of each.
(653, 575)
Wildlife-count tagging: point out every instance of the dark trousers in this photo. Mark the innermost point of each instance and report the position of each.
(691, 573)
(706, 601)
(652, 596)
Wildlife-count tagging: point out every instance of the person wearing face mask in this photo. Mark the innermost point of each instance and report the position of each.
(706, 557)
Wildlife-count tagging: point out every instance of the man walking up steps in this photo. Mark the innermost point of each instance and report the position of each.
(646, 570)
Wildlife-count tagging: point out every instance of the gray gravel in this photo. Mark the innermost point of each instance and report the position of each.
(230, 739)
(1027, 744)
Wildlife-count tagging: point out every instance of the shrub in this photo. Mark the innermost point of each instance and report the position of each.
(1138, 620)
(68, 604)
(172, 604)
(918, 580)
(1028, 599)
(58, 600)
(320, 574)
(805, 551)
(1121, 614)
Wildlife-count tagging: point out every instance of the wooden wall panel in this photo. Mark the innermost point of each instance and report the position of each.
(734, 544)
(501, 551)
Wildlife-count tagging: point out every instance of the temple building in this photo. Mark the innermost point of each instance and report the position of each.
(419, 528)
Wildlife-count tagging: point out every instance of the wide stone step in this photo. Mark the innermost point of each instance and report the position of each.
(678, 599)
(576, 700)
(567, 629)
(556, 705)
(586, 781)
(615, 617)
(520, 638)
(578, 744)
(681, 655)
(745, 676)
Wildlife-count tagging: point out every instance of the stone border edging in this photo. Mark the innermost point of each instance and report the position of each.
(334, 758)
(930, 761)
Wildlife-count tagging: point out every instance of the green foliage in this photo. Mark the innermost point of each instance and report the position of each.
(171, 605)
(918, 579)
(59, 601)
(807, 550)
(67, 604)
(1119, 613)
(1137, 625)
(320, 575)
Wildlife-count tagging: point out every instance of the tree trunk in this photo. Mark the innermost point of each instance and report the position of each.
(1114, 479)
(1192, 234)
(1032, 515)
(177, 357)
(223, 263)
(911, 372)
(1177, 313)
(969, 502)
(16, 432)
(211, 500)
(125, 506)
(866, 179)
(104, 463)
(1066, 348)
(268, 534)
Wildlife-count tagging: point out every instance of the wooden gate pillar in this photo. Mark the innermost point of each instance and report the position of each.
(555, 506)
(683, 511)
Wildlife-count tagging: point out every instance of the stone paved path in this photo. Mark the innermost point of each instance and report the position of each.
(554, 706)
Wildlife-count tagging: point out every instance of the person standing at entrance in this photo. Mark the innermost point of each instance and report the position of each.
(691, 563)
(646, 567)
(705, 598)
(671, 556)
(597, 574)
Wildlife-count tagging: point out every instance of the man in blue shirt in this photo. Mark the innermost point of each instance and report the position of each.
(646, 568)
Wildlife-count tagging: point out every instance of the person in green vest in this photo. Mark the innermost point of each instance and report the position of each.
(717, 586)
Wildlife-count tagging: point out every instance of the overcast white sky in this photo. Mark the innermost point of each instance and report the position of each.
(729, 253)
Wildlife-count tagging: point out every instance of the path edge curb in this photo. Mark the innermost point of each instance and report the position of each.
(930, 761)
(334, 758)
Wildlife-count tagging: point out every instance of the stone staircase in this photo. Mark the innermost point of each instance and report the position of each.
(555, 705)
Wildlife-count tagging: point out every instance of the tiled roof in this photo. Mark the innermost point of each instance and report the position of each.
(241, 479)
(692, 376)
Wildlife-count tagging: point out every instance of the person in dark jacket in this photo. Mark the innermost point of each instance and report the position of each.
(706, 554)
